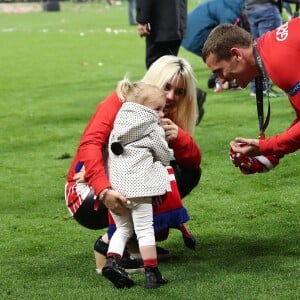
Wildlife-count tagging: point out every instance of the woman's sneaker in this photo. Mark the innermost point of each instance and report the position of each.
(131, 264)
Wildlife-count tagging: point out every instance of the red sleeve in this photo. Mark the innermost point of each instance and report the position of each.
(186, 151)
(284, 143)
(283, 43)
(92, 148)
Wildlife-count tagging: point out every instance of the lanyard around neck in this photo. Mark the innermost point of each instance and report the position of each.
(260, 80)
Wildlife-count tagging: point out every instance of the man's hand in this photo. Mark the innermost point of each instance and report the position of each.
(251, 165)
(248, 147)
(143, 30)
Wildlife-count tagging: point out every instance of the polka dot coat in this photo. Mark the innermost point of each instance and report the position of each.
(140, 170)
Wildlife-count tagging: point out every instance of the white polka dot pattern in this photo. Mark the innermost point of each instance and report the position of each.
(140, 170)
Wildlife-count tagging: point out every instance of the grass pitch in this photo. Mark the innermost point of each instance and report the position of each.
(55, 68)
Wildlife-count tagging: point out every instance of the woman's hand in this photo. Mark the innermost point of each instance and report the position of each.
(115, 202)
(249, 147)
(112, 199)
(171, 129)
(79, 176)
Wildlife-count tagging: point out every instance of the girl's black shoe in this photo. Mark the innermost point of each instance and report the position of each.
(154, 279)
(116, 274)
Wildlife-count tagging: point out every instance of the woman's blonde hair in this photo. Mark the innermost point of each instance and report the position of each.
(163, 71)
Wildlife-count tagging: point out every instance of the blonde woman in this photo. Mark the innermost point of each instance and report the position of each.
(88, 191)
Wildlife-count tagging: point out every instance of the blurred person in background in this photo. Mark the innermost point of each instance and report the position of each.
(263, 16)
(205, 17)
(163, 25)
(132, 12)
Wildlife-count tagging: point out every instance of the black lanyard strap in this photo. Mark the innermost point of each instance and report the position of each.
(260, 81)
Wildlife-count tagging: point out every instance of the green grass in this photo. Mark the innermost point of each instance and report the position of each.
(55, 68)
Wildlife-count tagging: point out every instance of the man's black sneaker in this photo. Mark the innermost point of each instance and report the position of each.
(273, 94)
(201, 97)
(211, 82)
(116, 274)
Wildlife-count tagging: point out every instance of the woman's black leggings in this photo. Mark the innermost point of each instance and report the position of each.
(186, 178)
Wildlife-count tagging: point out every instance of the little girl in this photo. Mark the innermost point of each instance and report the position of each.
(138, 162)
